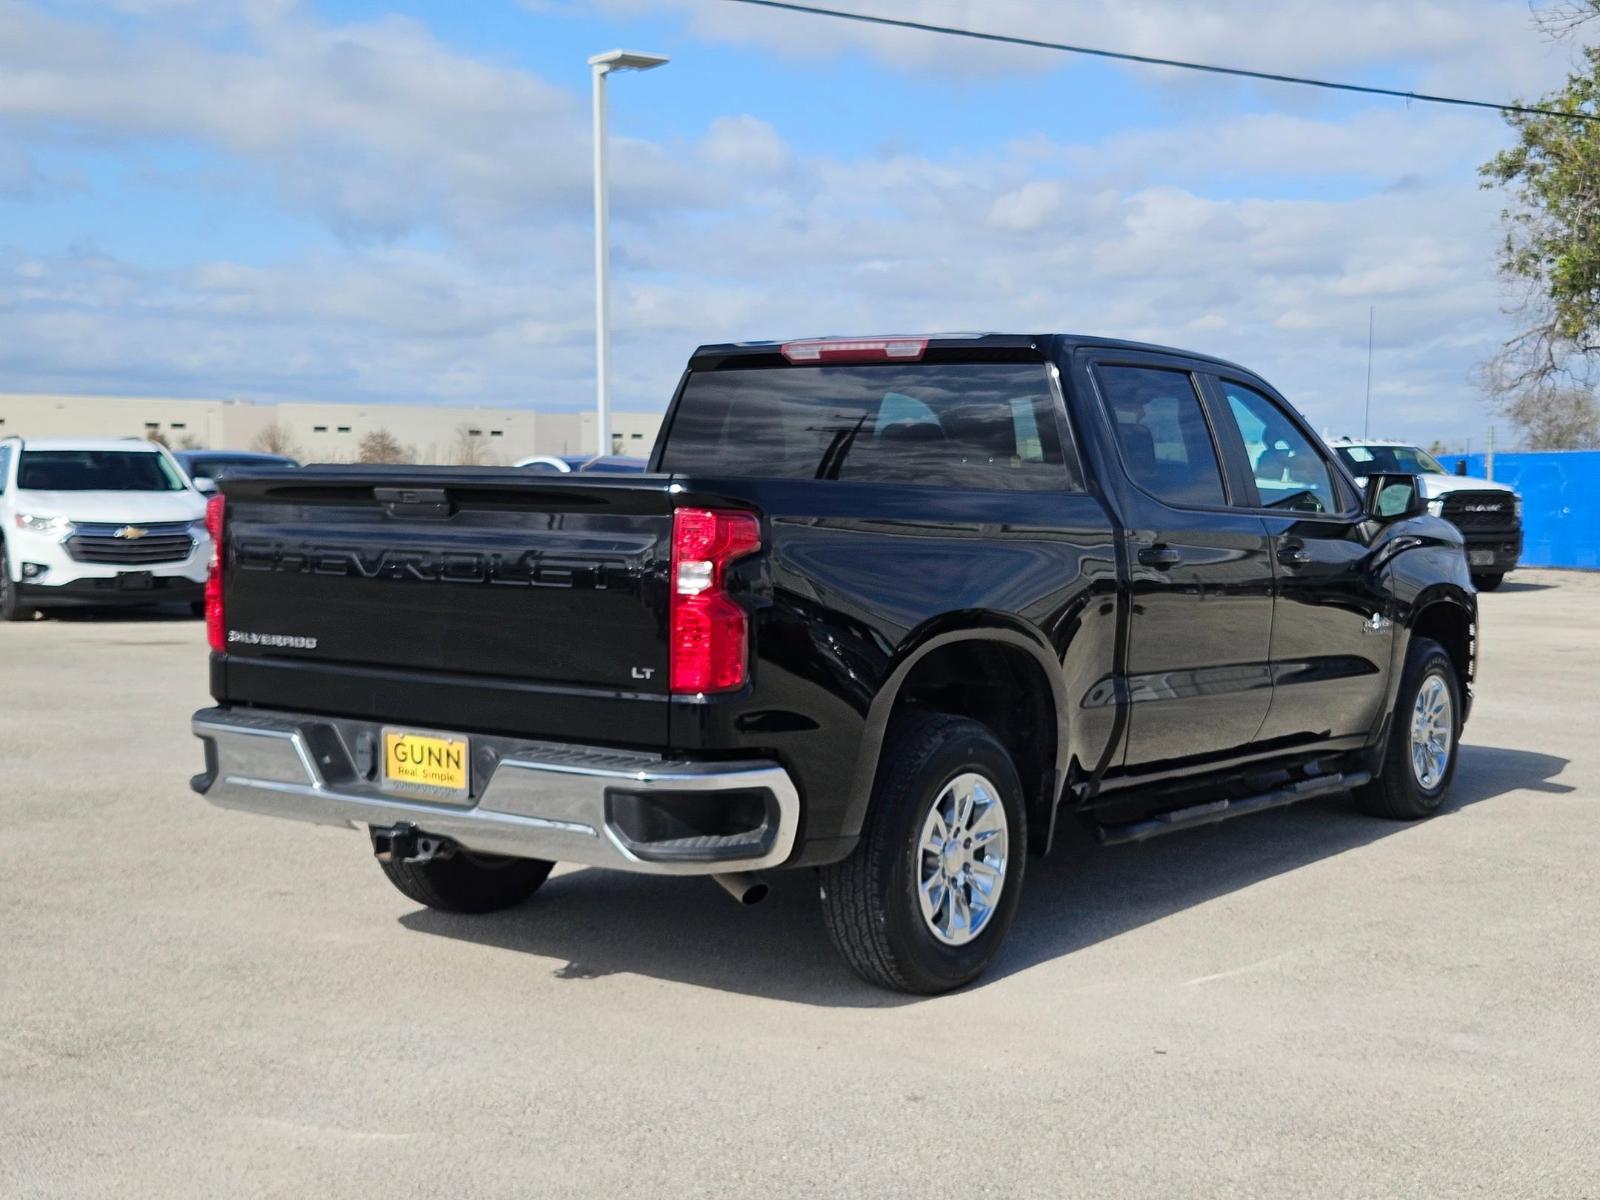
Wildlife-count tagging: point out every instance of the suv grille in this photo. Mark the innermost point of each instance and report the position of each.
(1480, 510)
(118, 545)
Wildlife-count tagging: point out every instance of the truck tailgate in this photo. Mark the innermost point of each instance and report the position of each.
(454, 576)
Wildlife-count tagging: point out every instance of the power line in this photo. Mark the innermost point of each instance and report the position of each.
(1148, 60)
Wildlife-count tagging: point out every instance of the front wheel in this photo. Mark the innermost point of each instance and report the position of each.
(1488, 583)
(925, 900)
(1420, 759)
(468, 883)
(11, 606)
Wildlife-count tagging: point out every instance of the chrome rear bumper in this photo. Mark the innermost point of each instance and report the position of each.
(530, 800)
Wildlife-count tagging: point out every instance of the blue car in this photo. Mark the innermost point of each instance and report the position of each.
(204, 466)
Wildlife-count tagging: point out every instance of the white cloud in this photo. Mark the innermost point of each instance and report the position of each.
(745, 143)
(1028, 207)
(461, 191)
(376, 128)
(1471, 44)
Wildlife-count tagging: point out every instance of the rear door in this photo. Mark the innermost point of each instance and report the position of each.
(1332, 632)
(1200, 622)
(479, 599)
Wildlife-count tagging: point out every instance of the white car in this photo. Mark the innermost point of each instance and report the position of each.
(97, 521)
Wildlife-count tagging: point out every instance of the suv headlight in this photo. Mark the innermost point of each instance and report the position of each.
(1436, 507)
(1516, 506)
(35, 523)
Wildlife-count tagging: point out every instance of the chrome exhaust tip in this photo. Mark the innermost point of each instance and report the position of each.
(745, 889)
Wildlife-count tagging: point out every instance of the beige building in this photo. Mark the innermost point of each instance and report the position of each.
(326, 432)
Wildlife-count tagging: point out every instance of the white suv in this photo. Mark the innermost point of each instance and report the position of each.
(97, 521)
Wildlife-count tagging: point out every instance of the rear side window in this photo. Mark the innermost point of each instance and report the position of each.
(1162, 433)
(975, 425)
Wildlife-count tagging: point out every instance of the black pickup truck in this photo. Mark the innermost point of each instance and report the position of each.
(888, 608)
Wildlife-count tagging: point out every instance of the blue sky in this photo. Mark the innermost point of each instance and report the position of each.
(376, 201)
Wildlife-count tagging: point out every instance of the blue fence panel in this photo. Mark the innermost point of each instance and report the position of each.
(1560, 492)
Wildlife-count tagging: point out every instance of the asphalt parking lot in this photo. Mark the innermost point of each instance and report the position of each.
(1302, 1003)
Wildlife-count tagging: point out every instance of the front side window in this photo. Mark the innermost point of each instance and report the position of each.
(1289, 473)
(5, 467)
(1162, 433)
(96, 471)
(975, 425)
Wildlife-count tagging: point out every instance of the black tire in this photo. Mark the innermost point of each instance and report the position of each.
(468, 883)
(1488, 583)
(869, 901)
(197, 609)
(1397, 793)
(11, 606)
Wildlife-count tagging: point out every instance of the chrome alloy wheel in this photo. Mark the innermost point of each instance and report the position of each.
(962, 854)
(1432, 729)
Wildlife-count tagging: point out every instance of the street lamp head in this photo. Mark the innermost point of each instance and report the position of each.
(626, 60)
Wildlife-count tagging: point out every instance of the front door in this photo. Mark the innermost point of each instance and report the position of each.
(1331, 633)
(1197, 664)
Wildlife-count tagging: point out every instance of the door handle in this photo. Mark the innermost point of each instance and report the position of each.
(1160, 556)
(1294, 556)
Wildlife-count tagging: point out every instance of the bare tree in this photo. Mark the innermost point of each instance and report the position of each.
(1565, 417)
(468, 449)
(155, 435)
(189, 442)
(1563, 18)
(381, 446)
(275, 439)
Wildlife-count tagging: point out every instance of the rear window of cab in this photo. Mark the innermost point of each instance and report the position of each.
(972, 425)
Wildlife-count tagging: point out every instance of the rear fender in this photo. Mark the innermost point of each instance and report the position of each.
(936, 635)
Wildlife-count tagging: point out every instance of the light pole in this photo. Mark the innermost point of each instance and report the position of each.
(602, 65)
(1366, 412)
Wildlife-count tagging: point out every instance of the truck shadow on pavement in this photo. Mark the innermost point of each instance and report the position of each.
(156, 614)
(602, 923)
(1514, 585)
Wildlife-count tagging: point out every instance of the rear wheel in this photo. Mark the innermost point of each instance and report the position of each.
(1420, 760)
(925, 900)
(1488, 583)
(468, 883)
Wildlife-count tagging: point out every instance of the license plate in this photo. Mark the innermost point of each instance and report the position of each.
(1480, 558)
(428, 765)
(136, 581)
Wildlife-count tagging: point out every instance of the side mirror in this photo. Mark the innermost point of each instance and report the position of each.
(204, 485)
(1393, 497)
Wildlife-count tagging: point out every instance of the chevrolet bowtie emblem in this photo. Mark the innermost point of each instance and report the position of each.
(131, 532)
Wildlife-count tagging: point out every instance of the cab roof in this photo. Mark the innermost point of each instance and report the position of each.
(1013, 346)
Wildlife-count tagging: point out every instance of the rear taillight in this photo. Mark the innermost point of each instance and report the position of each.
(710, 633)
(214, 624)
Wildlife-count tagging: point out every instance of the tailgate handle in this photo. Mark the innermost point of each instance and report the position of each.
(415, 502)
